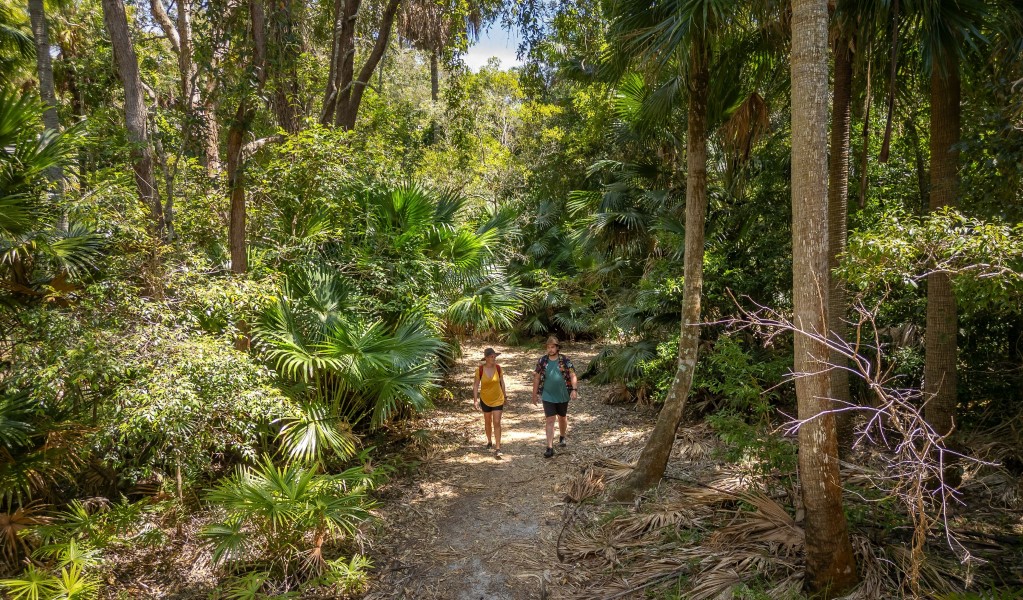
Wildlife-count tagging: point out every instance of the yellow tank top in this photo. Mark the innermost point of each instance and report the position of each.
(490, 388)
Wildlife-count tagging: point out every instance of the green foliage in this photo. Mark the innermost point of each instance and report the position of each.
(283, 516)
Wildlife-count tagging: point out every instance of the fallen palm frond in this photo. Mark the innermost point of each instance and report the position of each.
(614, 470)
(586, 485)
(937, 574)
(638, 525)
(769, 523)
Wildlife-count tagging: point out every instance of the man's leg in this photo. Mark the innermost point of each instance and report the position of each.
(563, 424)
(550, 431)
(488, 426)
(497, 428)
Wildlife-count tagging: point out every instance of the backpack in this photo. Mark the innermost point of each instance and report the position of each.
(479, 372)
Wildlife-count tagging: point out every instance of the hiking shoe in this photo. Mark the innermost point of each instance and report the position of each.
(498, 454)
(561, 441)
(548, 453)
(490, 445)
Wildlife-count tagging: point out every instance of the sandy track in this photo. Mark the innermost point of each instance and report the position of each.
(470, 526)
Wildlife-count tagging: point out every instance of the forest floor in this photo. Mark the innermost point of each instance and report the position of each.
(468, 525)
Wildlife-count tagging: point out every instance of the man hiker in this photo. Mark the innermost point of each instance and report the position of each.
(556, 383)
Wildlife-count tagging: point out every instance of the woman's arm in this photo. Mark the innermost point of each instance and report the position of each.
(476, 390)
(503, 390)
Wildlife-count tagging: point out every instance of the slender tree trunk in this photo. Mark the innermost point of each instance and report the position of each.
(886, 143)
(434, 75)
(345, 70)
(654, 459)
(348, 108)
(838, 210)
(285, 46)
(236, 186)
(47, 91)
(940, 345)
(864, 166)
(134, 112)
(830, 566)
(236, 141)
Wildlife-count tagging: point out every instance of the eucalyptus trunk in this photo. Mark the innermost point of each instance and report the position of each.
(830, 566)
(838, 210)
(654, 459)
(135, 116)
(940, 344)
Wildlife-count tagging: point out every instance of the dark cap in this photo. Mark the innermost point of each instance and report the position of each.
(490, 351)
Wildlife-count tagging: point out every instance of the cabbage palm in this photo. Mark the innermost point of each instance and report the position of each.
(32, 253)
(286, 514)
(684, 31)
(344, 365)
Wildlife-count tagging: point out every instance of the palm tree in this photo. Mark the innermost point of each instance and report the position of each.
(830, 566)
(686, 28)
(32, 254)
(286, 514)
(342, 366)
(15, 43)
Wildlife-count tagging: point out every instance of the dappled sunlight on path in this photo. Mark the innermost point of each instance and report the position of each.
(473, 526)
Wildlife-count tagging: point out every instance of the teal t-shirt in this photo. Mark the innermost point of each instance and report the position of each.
(554, 387)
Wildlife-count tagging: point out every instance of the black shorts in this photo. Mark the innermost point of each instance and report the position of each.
(555, 408)
(487, 409)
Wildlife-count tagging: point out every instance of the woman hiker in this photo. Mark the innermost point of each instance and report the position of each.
(555, 383)
(489, 388)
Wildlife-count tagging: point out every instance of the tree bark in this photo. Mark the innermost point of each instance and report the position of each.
(134, 112)
(47, 91)
(864, 166)
(434, 75)
(838, 210)
(235, 142)
(351, 90)
(654, 460)
(940, 344)
(830, 566)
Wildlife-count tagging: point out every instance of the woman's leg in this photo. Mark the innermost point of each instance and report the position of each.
(488, 426)
(497, 428)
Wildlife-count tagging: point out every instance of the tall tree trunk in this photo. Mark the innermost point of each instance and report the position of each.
(940, 345)
(886, 143)
(434, 75)
(236, 186)
(349, 102)
(235, 142)
(654, 459)
(838, 210)
(134, 112)
(342, 66)
(864, 178)
(830, 566)
(286, 46)
(47, 91)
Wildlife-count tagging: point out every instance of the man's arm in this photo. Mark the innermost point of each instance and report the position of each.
(575, 385)
(536, 385)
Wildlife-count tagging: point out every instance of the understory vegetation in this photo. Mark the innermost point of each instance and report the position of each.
(243, 243)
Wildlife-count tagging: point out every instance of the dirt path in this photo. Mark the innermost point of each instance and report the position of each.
(471, 526)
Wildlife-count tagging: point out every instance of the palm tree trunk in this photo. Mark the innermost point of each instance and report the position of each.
(134, 112)
(940, 345)
(830, 566)
(838, 210)
(654, 459)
